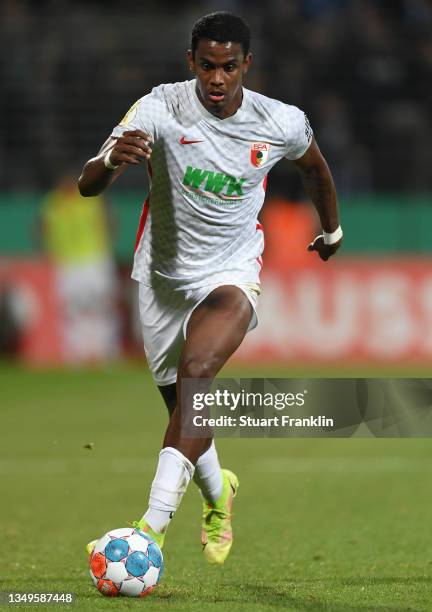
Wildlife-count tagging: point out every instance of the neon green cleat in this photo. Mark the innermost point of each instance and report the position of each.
(216, 534)
(90, 546)
(143, 526)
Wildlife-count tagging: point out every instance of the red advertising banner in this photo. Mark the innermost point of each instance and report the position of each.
(359, 309)
(346, 309)
(30, 303)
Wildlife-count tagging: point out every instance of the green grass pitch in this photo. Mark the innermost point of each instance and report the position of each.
(342, 525)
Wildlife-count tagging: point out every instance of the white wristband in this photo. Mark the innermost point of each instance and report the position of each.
(332, 237)
(107, 162)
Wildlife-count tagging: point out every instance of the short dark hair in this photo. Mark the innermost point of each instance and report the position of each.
(221, 27)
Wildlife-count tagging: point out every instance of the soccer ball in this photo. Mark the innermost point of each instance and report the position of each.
(126, 562)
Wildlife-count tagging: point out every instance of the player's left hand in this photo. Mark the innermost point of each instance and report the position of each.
(324, 250)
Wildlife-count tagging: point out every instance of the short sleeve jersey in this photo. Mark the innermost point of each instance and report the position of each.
(208, 175)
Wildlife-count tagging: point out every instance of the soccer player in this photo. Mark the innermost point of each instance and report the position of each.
(209, 144)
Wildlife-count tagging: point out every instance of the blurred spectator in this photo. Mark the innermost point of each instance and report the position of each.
(351, 171)
(69, 69)
(75, 233)
(289, 228)
(10, 328)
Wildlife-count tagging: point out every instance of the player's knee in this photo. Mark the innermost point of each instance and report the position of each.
(200, 368)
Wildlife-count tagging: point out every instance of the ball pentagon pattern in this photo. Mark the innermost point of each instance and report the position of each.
(126, 562)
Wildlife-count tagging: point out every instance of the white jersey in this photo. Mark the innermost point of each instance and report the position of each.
(199, 223)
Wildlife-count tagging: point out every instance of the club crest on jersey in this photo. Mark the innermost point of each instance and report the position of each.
(259, 153)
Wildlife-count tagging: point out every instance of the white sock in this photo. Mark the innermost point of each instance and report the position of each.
(208, 475)
(173, 475)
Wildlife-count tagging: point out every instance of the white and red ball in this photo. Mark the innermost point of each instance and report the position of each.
(126, 562)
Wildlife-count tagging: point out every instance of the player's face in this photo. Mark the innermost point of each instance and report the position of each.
(219, 69)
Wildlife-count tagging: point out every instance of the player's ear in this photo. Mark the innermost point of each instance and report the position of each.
(190, 60)
(247, 62)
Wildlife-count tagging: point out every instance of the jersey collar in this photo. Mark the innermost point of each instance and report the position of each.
(212, 118)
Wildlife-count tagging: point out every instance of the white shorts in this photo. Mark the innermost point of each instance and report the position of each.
(164, 315)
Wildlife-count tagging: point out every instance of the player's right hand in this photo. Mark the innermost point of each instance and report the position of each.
(132, 147)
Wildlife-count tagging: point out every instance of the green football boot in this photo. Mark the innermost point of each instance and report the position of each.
(216, 534)
(142, 525)
(90, 546)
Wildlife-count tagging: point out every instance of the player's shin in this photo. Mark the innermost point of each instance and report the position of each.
(173, 474)
(208, 474)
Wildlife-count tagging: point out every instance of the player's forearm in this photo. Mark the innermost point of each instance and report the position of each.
(95, 177)
(319, 185)
(133, 147)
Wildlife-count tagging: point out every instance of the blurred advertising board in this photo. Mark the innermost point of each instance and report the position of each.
(345, 309)
(30, 313)
(374, 310)
(53, 316)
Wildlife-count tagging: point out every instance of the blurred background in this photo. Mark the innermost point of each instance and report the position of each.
(362, 71)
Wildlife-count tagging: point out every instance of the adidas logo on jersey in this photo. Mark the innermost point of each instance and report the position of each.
(214, 182)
